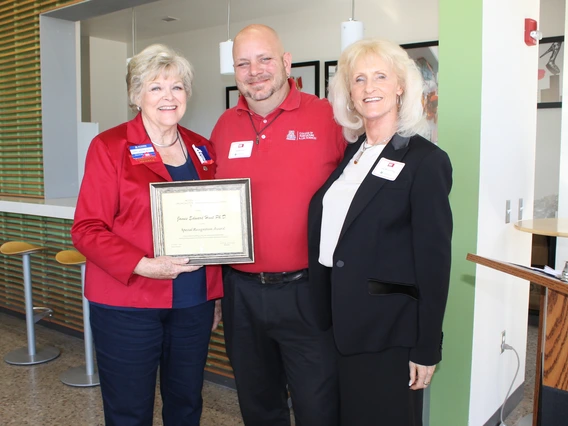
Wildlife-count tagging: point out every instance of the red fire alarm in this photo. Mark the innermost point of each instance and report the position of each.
(532, 35)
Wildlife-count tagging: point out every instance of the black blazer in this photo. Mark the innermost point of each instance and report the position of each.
(391, 266)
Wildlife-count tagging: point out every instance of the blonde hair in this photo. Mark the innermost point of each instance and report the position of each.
(411, 114)
(153, 61)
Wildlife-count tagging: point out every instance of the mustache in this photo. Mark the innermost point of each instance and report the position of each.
(258, 78)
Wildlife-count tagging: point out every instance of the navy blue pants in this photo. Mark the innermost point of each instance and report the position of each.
(131, 344)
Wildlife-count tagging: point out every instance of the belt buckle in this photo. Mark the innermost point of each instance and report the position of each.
(262, 279)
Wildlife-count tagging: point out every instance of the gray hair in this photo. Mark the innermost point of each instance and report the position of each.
(411, 118)
(151, 63)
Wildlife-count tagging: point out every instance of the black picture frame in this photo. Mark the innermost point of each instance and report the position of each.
(231, 96)
(329, 68)
(550, 72)
(307, 76)
(425, 54)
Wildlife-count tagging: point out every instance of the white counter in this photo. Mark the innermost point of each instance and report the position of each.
(62, 208)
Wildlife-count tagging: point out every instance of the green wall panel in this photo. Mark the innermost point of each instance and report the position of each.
(459, 126)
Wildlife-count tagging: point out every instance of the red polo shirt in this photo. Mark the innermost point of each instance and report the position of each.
(300, 146)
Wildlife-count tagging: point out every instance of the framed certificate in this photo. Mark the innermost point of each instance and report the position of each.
(209, 221)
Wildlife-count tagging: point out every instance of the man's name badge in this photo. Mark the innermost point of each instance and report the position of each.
(142, 154)
(388, 169)
(241, 149)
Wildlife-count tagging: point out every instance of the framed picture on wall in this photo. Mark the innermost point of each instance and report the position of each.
(426, 57)
(328, 72)
(307, 76)
(231, 96)
(550, 61)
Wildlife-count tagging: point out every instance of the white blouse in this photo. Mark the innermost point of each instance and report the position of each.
(338, 198)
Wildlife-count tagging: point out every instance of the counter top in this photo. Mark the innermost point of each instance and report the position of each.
(62, 208)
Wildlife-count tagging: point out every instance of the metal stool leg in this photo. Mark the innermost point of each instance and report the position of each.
(84, 375)
(30, 355)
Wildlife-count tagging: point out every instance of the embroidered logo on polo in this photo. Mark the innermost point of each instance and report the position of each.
(292, 136)
(306, 135)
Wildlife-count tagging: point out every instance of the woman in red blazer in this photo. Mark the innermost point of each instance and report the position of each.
(146, 311)
(380, 239)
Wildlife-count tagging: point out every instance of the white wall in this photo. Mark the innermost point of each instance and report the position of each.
(109, 105)
(310, 35)
(508, 129)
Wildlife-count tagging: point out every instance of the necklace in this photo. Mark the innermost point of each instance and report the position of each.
(167, 144)
(365, 146)
(264, 128)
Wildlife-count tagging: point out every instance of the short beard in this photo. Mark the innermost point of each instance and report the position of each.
(260, 95)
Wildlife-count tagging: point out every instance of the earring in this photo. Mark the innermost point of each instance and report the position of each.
(287, 75)
(398, 102)
(349, 107)
(138, 108)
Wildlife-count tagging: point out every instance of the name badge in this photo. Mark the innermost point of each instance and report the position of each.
(142, 154)
(388, 169)
(241, 149)
(202, 154)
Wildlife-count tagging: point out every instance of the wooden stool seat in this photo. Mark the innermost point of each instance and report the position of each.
(84, 375)
(19, 247)
(70, 257)
(30, 354)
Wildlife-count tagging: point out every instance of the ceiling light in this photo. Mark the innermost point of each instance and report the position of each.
(351, 30)
(226, 48)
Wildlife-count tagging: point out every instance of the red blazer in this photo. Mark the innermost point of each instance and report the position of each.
(113, 224)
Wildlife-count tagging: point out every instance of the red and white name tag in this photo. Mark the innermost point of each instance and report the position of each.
(241, 149)
(143, 154)
(388, 169)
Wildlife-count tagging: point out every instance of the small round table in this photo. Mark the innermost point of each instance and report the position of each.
(551, 228)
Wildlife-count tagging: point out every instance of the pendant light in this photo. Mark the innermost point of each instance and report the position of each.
(351, 30)
(133, 28)
(226, 48)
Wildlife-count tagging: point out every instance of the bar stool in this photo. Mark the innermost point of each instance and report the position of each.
(29, 355)
(84, 375)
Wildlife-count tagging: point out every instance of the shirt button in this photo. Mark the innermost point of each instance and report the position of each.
(264, 121)
(205, 168)
(340, 264)
(263, 136)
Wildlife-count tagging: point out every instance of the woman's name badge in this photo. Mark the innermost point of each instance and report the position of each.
(142, 154)
(202, 154)
(388, 169)
(241, 149)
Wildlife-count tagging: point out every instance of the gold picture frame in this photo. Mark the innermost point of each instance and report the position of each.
(209, 221)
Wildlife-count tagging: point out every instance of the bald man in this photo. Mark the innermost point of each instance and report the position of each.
(287, 143)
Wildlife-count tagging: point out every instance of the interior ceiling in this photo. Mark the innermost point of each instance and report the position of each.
(194, 15)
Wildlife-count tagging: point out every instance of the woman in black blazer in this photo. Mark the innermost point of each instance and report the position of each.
(380, 233)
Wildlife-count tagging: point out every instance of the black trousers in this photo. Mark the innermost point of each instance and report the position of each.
(271, 343)
(374, 390)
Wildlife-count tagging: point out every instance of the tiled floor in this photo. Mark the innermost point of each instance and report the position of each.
(33, 395)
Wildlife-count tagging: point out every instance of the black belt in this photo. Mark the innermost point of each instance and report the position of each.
(275, 277)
